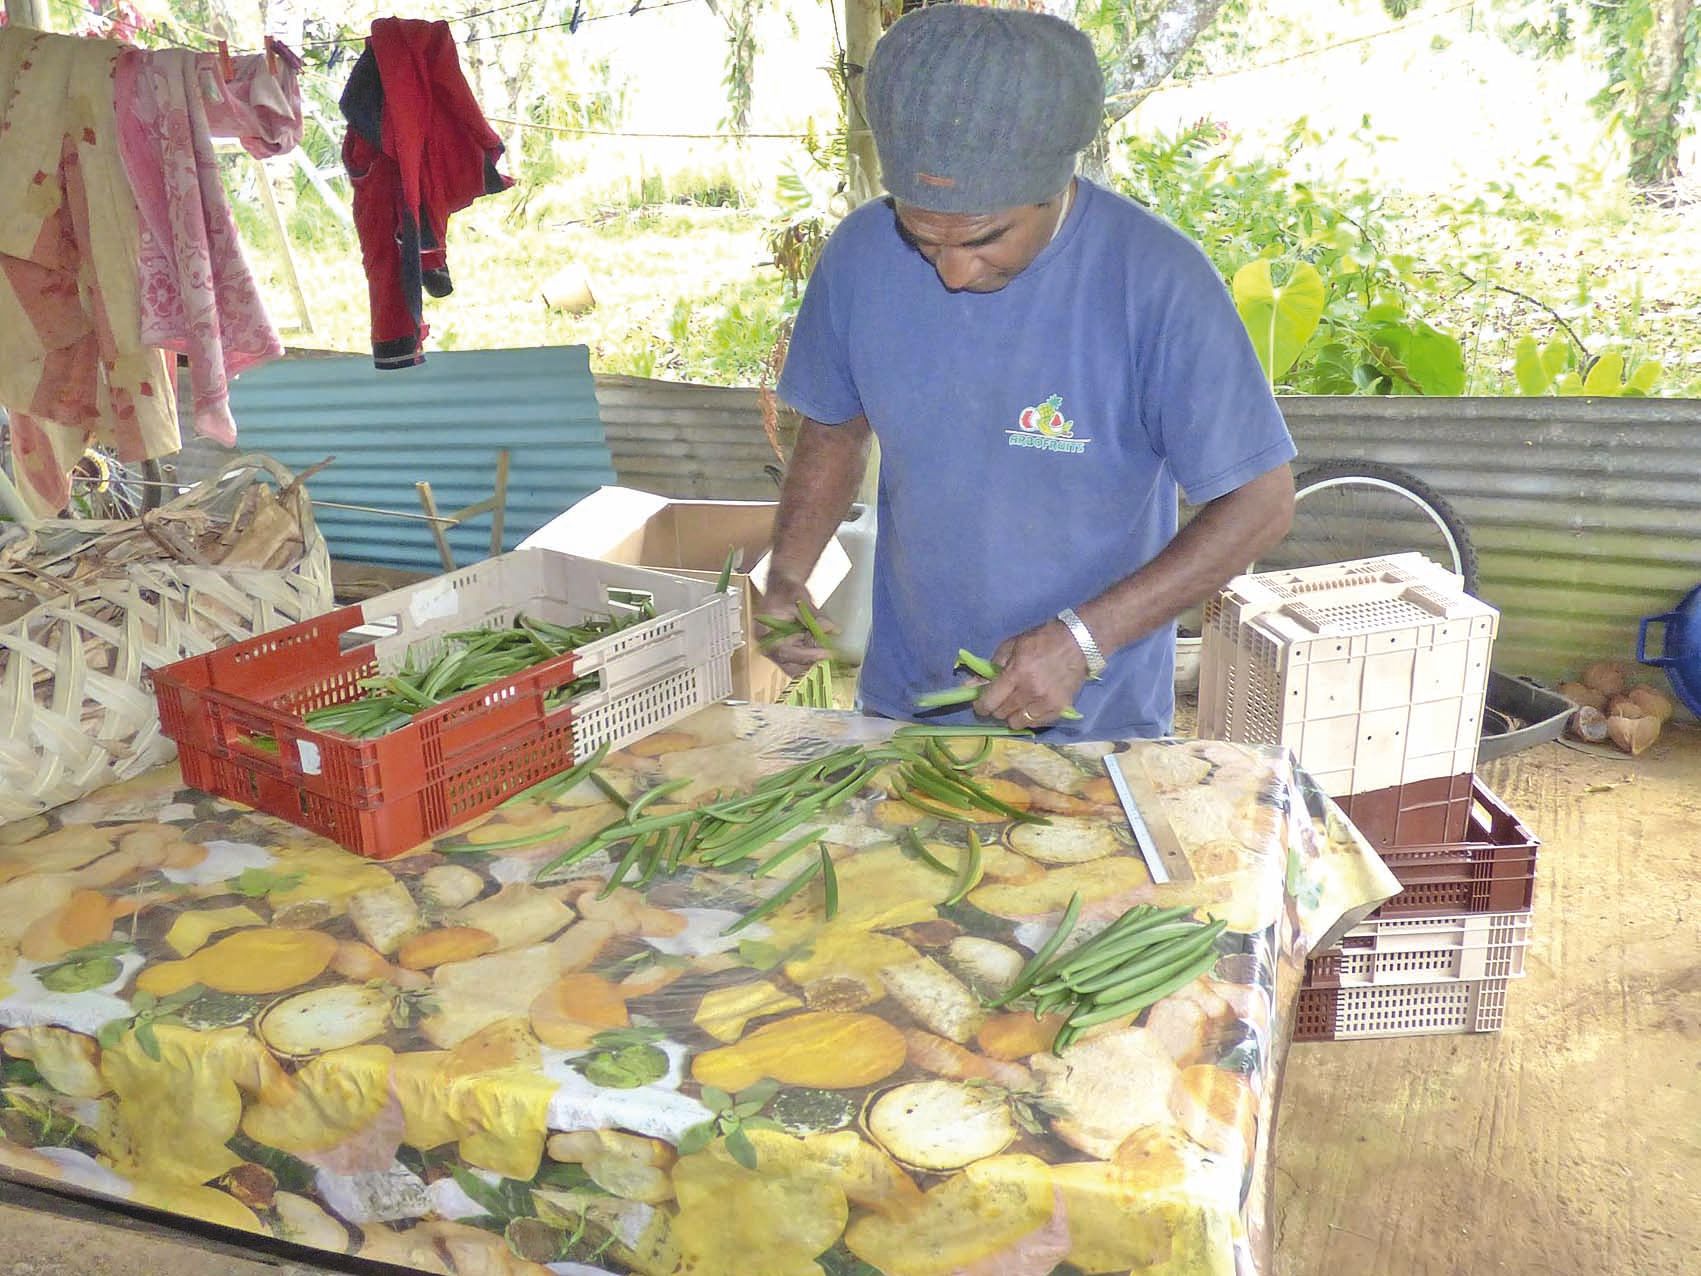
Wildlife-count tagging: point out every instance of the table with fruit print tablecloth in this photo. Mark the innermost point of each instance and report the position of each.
(454, 1061)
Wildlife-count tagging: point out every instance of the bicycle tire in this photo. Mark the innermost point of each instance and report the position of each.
(1396, 483)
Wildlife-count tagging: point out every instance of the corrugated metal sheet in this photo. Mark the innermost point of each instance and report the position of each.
(1586, 513)
(697, 442)
(443, 422)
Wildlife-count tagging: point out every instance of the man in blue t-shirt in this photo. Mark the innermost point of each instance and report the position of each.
(1044, 363)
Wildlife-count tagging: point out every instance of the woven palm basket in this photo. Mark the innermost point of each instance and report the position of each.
(87, 609)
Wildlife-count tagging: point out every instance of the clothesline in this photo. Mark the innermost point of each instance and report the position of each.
(529, 126)
(1302, 55)
(578, 19)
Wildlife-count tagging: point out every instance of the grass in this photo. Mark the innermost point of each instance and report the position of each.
(678, 263)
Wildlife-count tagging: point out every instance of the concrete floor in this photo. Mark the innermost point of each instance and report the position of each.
(1567, 1145)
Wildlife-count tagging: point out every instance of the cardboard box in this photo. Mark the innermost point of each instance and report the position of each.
(622, 525)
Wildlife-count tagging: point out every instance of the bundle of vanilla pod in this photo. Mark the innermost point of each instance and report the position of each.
(88, 608)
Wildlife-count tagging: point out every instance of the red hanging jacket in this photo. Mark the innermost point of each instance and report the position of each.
(418, 149)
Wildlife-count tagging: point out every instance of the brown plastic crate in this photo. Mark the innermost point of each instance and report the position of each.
(1417, 813)
(1410, 1010)
(1493, 870)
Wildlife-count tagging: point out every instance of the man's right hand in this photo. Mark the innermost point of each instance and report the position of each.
(799, 652)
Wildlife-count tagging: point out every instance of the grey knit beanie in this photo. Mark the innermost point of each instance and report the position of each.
(975, 110)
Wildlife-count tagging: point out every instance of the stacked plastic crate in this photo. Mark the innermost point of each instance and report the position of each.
(238, 715)
(1374, 673)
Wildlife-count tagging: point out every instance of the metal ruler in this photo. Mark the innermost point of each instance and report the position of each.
(1153, 833)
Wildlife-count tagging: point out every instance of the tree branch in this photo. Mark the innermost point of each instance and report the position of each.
(1154, 52)
(1582, 350)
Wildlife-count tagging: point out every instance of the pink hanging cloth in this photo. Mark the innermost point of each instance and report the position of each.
(198, 297)
(73, 366)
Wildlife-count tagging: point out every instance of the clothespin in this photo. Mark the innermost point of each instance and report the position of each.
(271, 55)
(225, 68)
(634, 9)
(578, 13)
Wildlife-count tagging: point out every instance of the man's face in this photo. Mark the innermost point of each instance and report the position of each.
(979, 252)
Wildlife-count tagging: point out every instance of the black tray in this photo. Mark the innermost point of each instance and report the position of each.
(1542, 712)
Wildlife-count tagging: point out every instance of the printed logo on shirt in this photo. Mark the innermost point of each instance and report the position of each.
(1044, 426)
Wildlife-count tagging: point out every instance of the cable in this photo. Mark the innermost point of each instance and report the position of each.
(464, 17)
(112, 17)
(564, 130)
(577, 21)
(1292, 57)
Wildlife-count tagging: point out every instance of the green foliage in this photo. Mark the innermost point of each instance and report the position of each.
(741, 50)
(1351, 316)
(1645, 96)
(1552, 369)
(1279, 319)
(1340, 297)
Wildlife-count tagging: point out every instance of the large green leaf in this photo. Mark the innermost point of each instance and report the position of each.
(1435, 360)
(1606, 378)
(1420, 360)
(1533, 378)
(1280, 320)
(1643, 378)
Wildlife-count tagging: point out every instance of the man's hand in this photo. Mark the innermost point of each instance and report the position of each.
(1043, 672)
(799, 652)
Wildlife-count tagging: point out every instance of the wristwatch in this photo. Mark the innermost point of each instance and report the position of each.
(1084, 640)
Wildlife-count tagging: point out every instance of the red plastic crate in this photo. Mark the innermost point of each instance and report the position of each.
(1492, 871)
(381, 797)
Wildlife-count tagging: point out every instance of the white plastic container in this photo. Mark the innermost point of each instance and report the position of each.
(851, 605)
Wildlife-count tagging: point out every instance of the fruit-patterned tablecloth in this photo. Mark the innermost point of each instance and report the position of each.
(444, 1062)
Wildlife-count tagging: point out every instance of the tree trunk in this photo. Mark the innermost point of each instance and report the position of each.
(26, 13)
(862, 30)
(1145, 63)
(1668, 58)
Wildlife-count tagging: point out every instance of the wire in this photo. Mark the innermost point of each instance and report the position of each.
(111, 17)
(576, 22)
(524, 125)
(1292, 57)
(464, 17)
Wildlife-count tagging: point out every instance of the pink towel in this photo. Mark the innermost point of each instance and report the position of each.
(198, 295)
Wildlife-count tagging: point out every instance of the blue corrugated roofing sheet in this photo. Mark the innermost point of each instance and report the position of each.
(443, 422)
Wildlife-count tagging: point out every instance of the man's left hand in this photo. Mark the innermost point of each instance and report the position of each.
(1043, 672)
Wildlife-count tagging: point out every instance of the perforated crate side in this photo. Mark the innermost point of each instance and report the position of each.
(1389, 951)
(1413, 1010)
(623, 718)
(1373, 672)
(1491, 869)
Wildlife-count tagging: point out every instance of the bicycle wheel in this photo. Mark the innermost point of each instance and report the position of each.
(103, 487)
(1363, 509)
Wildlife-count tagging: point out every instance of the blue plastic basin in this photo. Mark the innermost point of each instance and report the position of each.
(1681, 655)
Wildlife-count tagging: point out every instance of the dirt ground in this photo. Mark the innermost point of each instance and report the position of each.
(1567, 1145)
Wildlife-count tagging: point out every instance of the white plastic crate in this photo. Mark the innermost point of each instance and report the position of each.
(1391, 951)
(1409, 1010)
(1374, 672)
(694, 624)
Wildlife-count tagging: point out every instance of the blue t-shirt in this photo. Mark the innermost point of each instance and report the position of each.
(1031, 439)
